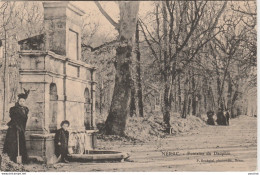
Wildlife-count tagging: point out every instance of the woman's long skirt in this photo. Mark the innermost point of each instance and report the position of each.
(11, 145)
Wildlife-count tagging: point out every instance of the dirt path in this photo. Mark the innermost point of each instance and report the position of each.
(212, 148)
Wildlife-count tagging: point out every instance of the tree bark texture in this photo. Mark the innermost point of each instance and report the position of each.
(116, 120)
(138, 70)
(119, 109)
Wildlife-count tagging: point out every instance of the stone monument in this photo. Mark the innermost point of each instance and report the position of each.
(61, 85)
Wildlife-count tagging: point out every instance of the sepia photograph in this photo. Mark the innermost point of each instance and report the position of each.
(128, 86)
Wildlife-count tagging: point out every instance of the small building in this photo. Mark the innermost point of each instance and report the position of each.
(61, 85)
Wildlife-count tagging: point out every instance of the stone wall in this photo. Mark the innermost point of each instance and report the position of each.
(57, 83)
(39, 71)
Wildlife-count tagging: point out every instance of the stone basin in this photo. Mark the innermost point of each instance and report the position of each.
(99, 155)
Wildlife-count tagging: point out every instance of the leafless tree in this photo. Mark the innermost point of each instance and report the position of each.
(185, 29)
(116, 120)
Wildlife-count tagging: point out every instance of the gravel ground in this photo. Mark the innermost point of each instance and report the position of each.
(204, 148)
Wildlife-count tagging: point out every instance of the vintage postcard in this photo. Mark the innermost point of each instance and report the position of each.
(128, 86)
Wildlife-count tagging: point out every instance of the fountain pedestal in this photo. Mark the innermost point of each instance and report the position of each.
(41, 146)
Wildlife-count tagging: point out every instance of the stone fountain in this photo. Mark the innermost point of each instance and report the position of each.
(61, 85)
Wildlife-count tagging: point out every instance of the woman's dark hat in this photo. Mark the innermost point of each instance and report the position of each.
(64, 122)
(24, 95)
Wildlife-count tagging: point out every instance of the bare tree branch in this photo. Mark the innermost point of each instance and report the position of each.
(101, 46)
(244, 12)
(106, 15)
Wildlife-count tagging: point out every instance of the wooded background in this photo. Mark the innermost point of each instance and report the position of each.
(186, 57)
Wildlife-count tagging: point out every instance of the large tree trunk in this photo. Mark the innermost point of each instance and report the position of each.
(189, 93)
(205, 102)
(116, 120)
(229, 93)
(132, 103)
(138, 71)
(219, 102)
(6, 77)
(167, 74)
(167, 104)
(189, 105)
(194, 101)
(175, 97)
(185, 101)
(199, 105)
(101, 96)
(205, 92)
(233, 101)
(179, 93)
(184, 108)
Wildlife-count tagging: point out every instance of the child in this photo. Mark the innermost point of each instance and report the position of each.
(61, 141)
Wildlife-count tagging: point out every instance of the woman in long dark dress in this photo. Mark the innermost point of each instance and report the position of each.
(17, 125)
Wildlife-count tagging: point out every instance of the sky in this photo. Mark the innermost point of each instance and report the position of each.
(112, 9)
